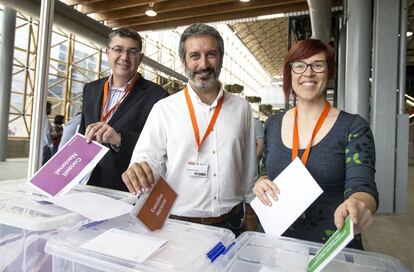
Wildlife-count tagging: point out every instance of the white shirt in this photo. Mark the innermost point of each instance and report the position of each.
(115, 94)
(167, 143)
(258, 129)
(47, 137)
(70, 129)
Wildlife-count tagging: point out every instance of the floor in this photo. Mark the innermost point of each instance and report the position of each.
(392, 235)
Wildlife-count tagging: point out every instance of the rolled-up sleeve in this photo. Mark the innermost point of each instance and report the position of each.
(151, 145)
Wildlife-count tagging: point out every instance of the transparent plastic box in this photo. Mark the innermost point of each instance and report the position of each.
(254, 252)
(26, 223)
(186, 249)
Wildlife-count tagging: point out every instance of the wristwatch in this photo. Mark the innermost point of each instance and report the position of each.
(115, 147)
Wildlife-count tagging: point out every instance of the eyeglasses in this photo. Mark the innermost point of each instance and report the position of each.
(134, 52)
(299, 67)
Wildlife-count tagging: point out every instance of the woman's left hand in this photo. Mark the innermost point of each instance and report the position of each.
(361, 215)
(265, 189)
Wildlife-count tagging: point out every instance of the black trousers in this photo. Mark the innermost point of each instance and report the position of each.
(234, 223)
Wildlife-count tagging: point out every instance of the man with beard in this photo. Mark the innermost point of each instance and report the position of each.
(201, 140)
(115, 109)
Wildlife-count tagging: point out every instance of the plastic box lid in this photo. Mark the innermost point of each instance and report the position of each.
(23, 207)
(186, 249)
(261, 252)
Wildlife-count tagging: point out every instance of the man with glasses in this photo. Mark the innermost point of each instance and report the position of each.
(115, 108)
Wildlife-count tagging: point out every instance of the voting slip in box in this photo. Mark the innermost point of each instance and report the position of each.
(27, 221)
(254, 252)
(187, 247)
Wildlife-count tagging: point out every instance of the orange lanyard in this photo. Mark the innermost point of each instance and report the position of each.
(295, 145)
(105, 116)
(194, 119)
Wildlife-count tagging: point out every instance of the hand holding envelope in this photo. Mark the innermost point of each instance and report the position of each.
(71, 165)
(264, 189)
(284, 199)
(291, 193)
(153, 208)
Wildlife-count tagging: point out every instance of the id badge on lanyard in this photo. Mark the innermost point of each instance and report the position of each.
(295, 140)
(195, 169)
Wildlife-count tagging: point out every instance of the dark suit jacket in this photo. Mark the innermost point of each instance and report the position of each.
(128, 119)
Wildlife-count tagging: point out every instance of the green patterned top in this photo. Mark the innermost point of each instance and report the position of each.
(342, 163)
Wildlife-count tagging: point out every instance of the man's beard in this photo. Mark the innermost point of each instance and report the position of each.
(214, 75)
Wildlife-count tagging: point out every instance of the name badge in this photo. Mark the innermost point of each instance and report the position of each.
(195, 169)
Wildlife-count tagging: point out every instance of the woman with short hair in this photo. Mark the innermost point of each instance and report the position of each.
(336, 147)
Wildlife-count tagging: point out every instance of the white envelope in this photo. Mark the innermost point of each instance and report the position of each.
(298, 189)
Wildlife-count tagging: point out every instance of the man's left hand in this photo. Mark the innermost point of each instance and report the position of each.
(102, 133)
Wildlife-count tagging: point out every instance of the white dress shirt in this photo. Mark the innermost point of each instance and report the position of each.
(115, 94)
(70, 129)
(258, 129)
(47, 137)
(167, 143)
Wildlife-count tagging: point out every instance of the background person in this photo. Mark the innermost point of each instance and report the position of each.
(47, 134)
(57, 131)
(259, 137)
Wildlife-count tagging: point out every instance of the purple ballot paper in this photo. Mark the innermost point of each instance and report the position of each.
(68, 166)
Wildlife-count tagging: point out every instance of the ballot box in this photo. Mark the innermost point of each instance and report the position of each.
(188, 247)
(27, 221)
(254, 252)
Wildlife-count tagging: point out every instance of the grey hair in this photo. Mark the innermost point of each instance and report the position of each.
(126, 33)
(200, 30)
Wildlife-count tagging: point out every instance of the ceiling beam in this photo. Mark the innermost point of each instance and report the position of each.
(76, 2)
(221, 17)
(225, 12)
(410, 42)
(259, 43)
(411, 25)
(410, 8)
(248, 39)
(160, 8)
(114, 5)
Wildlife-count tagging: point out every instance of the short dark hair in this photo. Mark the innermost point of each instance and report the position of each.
(59, 119)
(302, 50)
(200, 30)
(126, 33)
